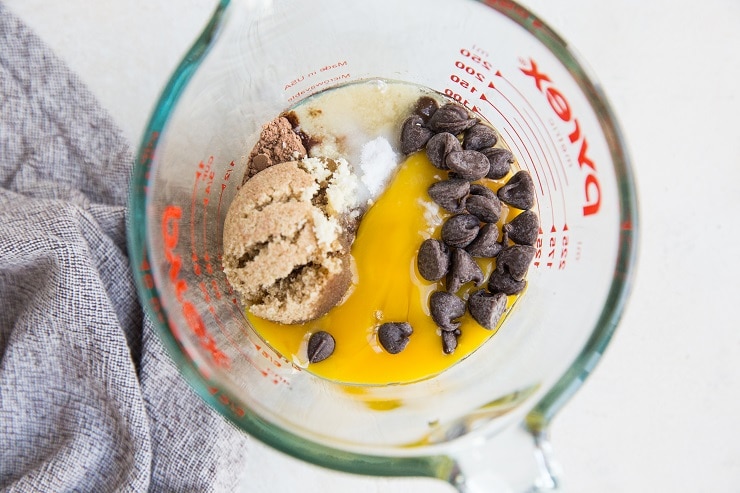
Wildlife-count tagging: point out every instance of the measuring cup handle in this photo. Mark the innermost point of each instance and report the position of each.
(514, 461)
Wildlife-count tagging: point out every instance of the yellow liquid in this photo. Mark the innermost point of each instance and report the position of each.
(388, 288)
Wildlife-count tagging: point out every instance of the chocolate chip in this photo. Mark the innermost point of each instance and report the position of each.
(514, 260)
(433, 259)
(500, 160)
(425, 107)
(482, 190)
(449, 342)
(450, 194)
(463, 269)
(320, 346)
(458, 231)
(479, 136)
(258, 163)
(501, 282)
(487, 308)
(394, 336)
(451, 118)
(483, 204)
(470, 165)
(414, 136)
(518, 191)
(523, 229)
(445, 308)
(485, 245)
(439, 146)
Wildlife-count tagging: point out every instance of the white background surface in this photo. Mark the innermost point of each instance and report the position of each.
(661, 412)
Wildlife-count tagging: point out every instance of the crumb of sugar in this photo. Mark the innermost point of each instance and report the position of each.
(339, 183)
(342, 190)
(327, 230)
(432, 214)
(317, 168)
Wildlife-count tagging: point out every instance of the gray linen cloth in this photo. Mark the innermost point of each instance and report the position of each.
(89, 400)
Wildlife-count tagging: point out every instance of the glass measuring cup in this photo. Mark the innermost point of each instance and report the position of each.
(482, 424)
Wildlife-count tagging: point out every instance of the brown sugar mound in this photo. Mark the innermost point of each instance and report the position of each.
(278, 143)
(287, 260)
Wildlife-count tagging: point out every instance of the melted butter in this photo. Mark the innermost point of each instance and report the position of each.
(388, 288)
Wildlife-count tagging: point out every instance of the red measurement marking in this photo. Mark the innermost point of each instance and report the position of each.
(148, 279)
(534, 111)
(171, 235)
(224, 332)
(193, 249)
(146, 158)
(551, 162)
(477, 58)
(519, 152)
(267, 355)
(565, 240)
(268, 373)
(207, 342)
(146, 273)
(538, 249)
(216, 291)
(225, 400)
(204, 290)
(147, 155)
(536, 132)
(557, 252)
(209, 174)
(157, 307)
(559, 104)
(484, 98)
(327, 82)
(276, 362)
(226, 177)
(536, 140)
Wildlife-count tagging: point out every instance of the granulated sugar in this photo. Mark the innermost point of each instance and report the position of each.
(377, 162)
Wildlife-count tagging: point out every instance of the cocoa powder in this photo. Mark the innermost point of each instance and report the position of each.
(278, 143)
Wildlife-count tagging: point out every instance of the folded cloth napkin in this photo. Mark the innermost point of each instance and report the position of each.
(89, 400)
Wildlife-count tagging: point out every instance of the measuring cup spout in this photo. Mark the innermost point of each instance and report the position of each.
(516, 461)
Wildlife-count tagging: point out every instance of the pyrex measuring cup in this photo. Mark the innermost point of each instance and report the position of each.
(482, 424)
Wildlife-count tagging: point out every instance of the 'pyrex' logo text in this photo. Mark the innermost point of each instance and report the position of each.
(171, 236)
(560, 106)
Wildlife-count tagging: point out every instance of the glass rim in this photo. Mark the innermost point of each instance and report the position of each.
(440, 466)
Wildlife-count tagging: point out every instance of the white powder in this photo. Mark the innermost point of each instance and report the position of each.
(377, 162)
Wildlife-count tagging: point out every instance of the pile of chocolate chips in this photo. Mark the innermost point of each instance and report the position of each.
(457, 142)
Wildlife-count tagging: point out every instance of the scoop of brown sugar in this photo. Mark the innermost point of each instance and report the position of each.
(287, 260)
